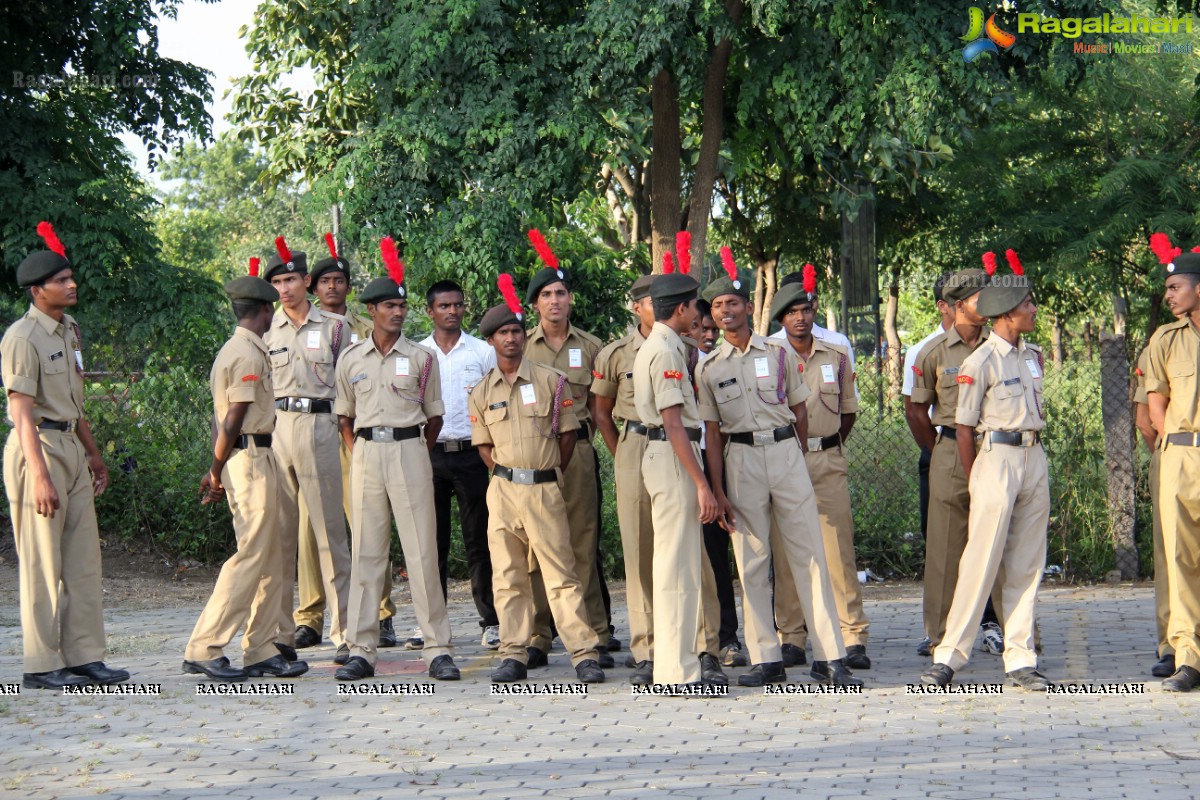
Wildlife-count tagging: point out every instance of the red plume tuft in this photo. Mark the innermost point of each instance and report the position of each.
(505, 284)
(391, 259)
(1013, 262)
(332, 245)
(1196, 249)
(727, 262)
(282, 248)
(46, 231)
(810, 279)
(989, 263)
(668, 264)
(683, 251)
(1160, 244)
(543, 250)
(254, 262)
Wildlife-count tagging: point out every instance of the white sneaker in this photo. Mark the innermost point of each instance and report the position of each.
(993, 638)
(416, 641)
(491, 637)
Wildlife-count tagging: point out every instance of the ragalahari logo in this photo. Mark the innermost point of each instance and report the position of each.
(976, 44)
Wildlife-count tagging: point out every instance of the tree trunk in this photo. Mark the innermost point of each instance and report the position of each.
(665, 178)
(1119, 314)
(1088, 348)
(1057, 355)
(765, 283)
(892, 335)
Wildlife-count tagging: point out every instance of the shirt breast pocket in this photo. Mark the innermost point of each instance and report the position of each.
(1180, 375)
(727, 393)
(362, 388)
(280, 359)
(1008, 397)
(54, 366)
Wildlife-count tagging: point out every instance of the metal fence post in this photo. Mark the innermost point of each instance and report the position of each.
(1118, 450)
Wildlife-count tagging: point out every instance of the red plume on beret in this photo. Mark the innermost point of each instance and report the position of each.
(989, 263)
(509, 292)
(543, 250)
(1160, 244)
(1196, 249)
(810, 279)
(282, 248)
(727, 262)
(46, 231)
(391, 259)
(668, 264)
(683, 251)
(1013, 262)
(332, 245)
(254, 267)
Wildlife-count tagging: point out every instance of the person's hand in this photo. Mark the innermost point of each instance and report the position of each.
(211, 490)
(707, 503)
(725, 517)
(45, 497)
(99, 474)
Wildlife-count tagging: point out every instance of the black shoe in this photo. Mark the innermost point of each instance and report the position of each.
(387, 633)
(614, 644)
(277, 667)
(711, 673)
(925, 647)
(356, 669)
(631, 662)
(588, 671)
(793, 656)
(605, 659)
(287, 651)
(99, 674)
(442, 669)
(1028, 678)
(1184, 680)
(510, 670)
(762, 674)
(306, 637)
(643, 674)
(834, 673)
(856, 657)
(343, 654)
(1165, 667)
(937, 675)
(537, 658)
(216, 668)
(55, 679)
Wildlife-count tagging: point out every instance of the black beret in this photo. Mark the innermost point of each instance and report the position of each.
(963, 284)
(329, 264)
(1002, 295)
(673, 289)
(641, 287)
(249, 287)
(383, 288)
(276, 265)
(1184, 264)
(543, 278)
(496, 318)
(39, 266)
(789, 295)
(724, 285)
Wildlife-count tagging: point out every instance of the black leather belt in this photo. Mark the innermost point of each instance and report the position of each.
(765, 437)
(1184, 439)
(819, 443)
(453, 446)
(246, 439)
(526, 477)
(382, 433)
(660, 434)
(304, 405)
(55, 425)
(1014, 438)
(586, 431)
(635, 427)
(950, 432)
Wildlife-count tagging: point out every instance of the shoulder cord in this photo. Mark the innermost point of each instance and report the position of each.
(425, 370)
(78, 344)
(336, 346)
(554, 418)
(841, 374)
(780, 394)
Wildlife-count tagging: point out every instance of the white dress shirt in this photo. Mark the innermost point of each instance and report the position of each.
(460, 369)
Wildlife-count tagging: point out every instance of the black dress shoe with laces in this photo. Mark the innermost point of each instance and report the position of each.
(605, 659)
(510, 670)
(1184, 680)
(99, 674)
(588, 671)
(218, 669)
(1029, 679)
(937, 675)
(762, 674)
(306, 637)
(356, 669)
(1164, 667)
(343, 654)
(537, 658)
(793, 656)
(55, 679)
(287, 651)
(834, 673)
(643, 674)
(442, 669)
(276, 667)
(711, 673)
(387, 633)
(856, 657)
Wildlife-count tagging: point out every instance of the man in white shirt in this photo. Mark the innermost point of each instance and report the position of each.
(458, 470)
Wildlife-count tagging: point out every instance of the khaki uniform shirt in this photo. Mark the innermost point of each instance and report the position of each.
(660, 379)
(360, 326)
(242, 374)
(1172, 371)
(42, 358)
(1000, 387)
(302, 358)
(829, 376)
(613, 374)
(397, 389)
(935, 375)
(518, 421)
(1139, 377)
(752, 390)
(575, 359)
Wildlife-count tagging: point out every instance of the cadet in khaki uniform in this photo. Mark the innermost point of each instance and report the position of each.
(52, 471)
(330, 283)
(245, 471)
(387, 388)
(832, 406)
(523, 422)
(1000, 413)
(304, 345)
(1172, 380)
(752, 397)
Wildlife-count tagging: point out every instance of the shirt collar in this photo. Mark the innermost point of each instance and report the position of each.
(254, 338)
(48, 323)
(282, 318)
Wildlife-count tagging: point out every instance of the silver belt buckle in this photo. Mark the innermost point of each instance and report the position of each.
(814, 443)
(382, 434)
(522, 476)
(764, 437)
(303, 404)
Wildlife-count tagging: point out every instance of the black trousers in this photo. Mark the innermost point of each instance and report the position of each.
(463, 475)
(716, 543)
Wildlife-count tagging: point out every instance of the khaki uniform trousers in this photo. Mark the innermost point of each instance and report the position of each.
(678, 564)
(637, 541)
(581, 498)
(830, 477)
(248, 587)
(1162, 583)
(1010, 509)
(62, 616)
(769, 485)
(1179, 508)
(393, 480)
(526, 521)
(311, 611)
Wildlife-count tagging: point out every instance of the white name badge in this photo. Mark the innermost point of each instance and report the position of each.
(314, 340)
(527, 395)
(574, 358)
(402, 367)
(79, 359)
(354, 338)
(762, 369)
(1033, 367)
(827, 374)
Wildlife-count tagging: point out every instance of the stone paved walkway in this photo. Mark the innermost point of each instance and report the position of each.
(463, 742)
